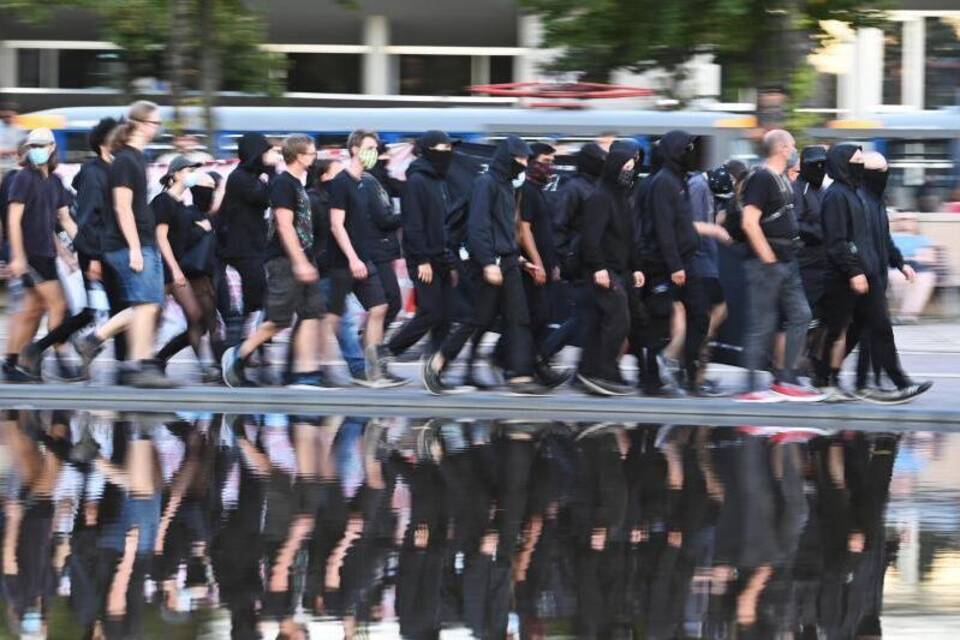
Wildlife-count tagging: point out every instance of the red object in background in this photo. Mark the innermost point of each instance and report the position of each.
(561, 90)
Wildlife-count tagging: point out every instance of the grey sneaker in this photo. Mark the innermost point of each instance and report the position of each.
(149, 377)
(88, 349)
(30, 360)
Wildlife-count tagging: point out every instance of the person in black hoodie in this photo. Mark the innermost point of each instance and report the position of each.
(245, 201)
(851, 255)
(425, 206)
(872, 314)
(807, 200)
(385, 244)
(613, 263)
(668, 205)
(495, 257)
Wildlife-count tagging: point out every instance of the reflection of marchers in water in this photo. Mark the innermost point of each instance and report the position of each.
(503, 528)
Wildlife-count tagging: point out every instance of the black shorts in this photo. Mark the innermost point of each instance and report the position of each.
(287, 296)
(714, 291)
(253, 282)
(369, 291)
(40, 269)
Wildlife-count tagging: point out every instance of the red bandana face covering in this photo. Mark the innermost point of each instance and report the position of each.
(539, 172)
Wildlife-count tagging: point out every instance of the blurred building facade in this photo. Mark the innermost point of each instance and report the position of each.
(412, 52)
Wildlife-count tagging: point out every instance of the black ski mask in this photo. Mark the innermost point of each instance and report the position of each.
(439, 159)
(202, 198)
(813, 173)
(516, 169)
(856, 174)
(875, 181)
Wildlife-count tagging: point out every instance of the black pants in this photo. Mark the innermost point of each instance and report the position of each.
(391, 289)
(507, 301)
(606, 324)
(877, 345)
(434, 300)
(693, 297)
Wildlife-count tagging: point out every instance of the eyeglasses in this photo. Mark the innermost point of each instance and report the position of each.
(155, 123)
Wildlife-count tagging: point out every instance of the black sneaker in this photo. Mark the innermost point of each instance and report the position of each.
(211, 375)
(69, 372)
(668, 391)
(234, 374)
(710, 389)
(310, 380)
(30, 361)
(360, 379)
(88, 349)
(526, 386)
(432, 376)
(548, 376)
(148, 376)
(905, 394)
(601, 387)
(472, 379)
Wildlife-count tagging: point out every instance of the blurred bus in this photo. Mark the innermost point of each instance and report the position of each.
(922, 147)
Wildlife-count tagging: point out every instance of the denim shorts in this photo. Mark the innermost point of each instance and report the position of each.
(143, 287)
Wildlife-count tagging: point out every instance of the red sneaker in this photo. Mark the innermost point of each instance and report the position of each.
(796, 392)
(762, 396)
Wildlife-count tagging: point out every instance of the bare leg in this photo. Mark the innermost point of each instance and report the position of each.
(305, 346)
(142, 330)
(374, 333)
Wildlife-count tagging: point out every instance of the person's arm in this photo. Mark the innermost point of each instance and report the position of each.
(414, 227)
(529, 246)
(754, 233)
(592, 240)
(166, 250)
(250, 189)
(303, 269)
(18, 254)
(67, 223)
(338, 227)
(808, 223)
(480, 224)
(123, 206)
(382, 213)
(664, 210)
(835, 222)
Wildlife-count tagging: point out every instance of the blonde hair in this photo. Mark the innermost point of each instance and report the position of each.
(138, 113)
(294, 145)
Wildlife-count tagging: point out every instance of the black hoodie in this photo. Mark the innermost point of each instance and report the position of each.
(385, 243)
(425, 205)
(92, 184)
(608, 226)
(492, 220)
(846, 229)
(573, 196)
(888, 255)
(245, 201)
(667, 202)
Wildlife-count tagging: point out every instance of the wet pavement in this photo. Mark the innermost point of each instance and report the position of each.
(193, 525)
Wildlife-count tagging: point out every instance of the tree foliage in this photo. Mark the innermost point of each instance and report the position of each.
(759, 42)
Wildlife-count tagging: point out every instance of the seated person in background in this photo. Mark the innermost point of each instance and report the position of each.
(909, 299)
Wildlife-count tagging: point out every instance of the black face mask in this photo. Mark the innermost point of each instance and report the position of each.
(813, 173)
(689, 160)
(626, 178)
(875, 180)
(856, 174)
(516, 169)
(202, 198)
(439, 159)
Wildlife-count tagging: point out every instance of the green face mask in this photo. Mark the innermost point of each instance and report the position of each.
(368, 158)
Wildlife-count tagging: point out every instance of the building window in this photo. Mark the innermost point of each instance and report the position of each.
(434, 75)
(28, 68)
(501, 69)
(82, 69)
(893, 63)
(942, 77)
(324, 72)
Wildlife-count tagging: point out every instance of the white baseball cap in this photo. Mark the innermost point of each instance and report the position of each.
(39, 137)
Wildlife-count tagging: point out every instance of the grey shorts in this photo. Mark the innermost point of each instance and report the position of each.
(287, 296)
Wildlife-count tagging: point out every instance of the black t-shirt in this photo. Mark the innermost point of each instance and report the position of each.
(129, 170)
(41, 198)
(170, 211)
(347, 193)
(773, 195)
(287, 192)
(535, 209)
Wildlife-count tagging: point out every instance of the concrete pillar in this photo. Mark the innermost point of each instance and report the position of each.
(8, 66)
(49, 68)
(480, 70)
(376, 63)
(913, 61)
(868, 70)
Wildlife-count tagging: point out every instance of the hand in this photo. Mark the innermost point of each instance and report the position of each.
(18, 267)
(95, 272)
(859, 284)
(638, 279)
(908, 273)
(179, 280)
(537, 272)
(204, 224)
(425, 273)
(204, 180)
(723, 236)
(358, 269)
(679, 278)
(602, 279)
(555, 274)
(493, 275)
(136, 260)
(454, 278)
(306, 272)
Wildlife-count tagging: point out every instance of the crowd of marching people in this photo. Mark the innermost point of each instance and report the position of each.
(316, 240)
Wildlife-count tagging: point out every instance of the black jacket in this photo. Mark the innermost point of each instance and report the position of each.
(807, 204)
(245, 201)
(572, 197)
(492, 219)
(888, 255)
(667, 203)
(92, 184)
(320, 209)
(847, 236)
(425, 205)
(385, 244)
(608, 229)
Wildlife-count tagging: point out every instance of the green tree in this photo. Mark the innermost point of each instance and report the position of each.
(760, 43)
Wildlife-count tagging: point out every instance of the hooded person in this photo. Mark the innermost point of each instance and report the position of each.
(495, 262)
(807, 202)
(668, 209)
(871, 317)
(851, 255)
(245, 202)
(424, 206)
(377, 188)
(571, 210)
(612, 264)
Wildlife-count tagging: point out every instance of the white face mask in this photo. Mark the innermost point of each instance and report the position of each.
(518, 181)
